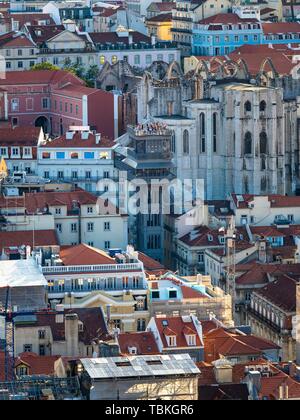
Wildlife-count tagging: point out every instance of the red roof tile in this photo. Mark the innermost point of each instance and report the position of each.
(37, 365)
(19, 238)
(144, 342)
(84, 255)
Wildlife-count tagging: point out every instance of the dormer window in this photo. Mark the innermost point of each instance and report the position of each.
(222, 240)
(80, 326)
(210, 238)
(171, 340)
(191, 339)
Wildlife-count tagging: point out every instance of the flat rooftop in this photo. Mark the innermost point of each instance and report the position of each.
(140, 366)
(21, 273)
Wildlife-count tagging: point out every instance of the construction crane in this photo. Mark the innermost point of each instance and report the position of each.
(7, 317)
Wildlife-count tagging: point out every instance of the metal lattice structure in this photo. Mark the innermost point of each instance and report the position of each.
(41, 388)
(7, 317)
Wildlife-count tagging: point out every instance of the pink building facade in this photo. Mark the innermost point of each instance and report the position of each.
(55, 100)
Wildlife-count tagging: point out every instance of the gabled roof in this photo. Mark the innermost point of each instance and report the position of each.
(176, 326)
(226, 18)
(41, 34)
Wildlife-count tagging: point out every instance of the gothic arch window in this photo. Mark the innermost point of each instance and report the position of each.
(263, 143)
(202, 132)
(248, 143)
(248, 106)
(186, 142)
(173, 142)
(262, 106)
(214, 128)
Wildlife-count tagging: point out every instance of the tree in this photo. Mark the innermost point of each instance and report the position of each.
(44, 66)
(91, 75)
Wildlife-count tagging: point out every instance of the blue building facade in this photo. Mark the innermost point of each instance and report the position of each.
(222, 34)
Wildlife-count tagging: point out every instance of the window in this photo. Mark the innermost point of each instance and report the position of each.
(58, 210)
(247, 106)
(155, 294)
(141, 324)
(102, 60)
(263, 143)
(89, 155)
(202, 133)
(20, 64)
(15, 104)
(15, 151)
(172, 294)
(88, 174)
(42, 349)
(107, 245)
(73, 227)
(106, 225)
(29, 104)
(214, 128)
(191, 340)
(22, 370)
(148, 59)
(42, 334)
(90, 210)
(74, 175)
(114, 59)
(60, 175)
(27, 348)
(90, 227)
(74, 155)
(186, 142)
(59, 227)
(137, 60)
(60, 155)
(45, 103)
(248, 143)
(27, 151)
(171, 340)
(262, 106)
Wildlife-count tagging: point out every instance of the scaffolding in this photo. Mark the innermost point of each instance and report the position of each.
(41, 388)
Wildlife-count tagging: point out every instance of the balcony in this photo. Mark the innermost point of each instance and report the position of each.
(264, 320)
(105, 268)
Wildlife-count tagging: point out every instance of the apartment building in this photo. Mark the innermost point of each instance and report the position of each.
(81, 157)
(86, 277)
(77, 216)
(18, 147)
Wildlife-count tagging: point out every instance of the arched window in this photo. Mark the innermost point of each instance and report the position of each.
(263, 143)
(173, 142)
(186, 142)
(214, 127)
(262, 106)
(248, 144)
(247, 106)
(202, 133)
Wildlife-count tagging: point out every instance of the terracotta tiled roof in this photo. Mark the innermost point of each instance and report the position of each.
(32, 18)
(113, 38)
(44, 200)
(280, 28)
(19, 136)
(176, 327)
(77, 141)
(19, 238)
(164, 17)
(144, 342)
(151, 266)
(94, 326)
(84, 255)
(226, 18)
(273, 293)
(37, 365)
(40, 77)
(41, 34)
(276, 201)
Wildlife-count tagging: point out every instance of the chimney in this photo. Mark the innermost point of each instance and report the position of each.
(28, 252)
(153, 40)
(298, 324)
(98, 138)
(72, 335)
(223, 372)
(130, 39)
